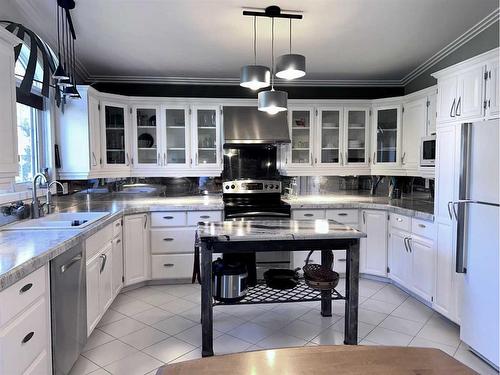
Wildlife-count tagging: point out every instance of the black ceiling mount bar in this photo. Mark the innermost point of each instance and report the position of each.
(272, 11)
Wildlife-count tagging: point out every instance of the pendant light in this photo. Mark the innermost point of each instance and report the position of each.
(291, 66)
(71, 91)
(255, 76)
(272, 101)
(65, 82)
(60, 73)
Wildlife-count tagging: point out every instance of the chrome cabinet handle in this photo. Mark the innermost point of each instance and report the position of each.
(421, 225)
(452, 112)
(118, 241)
(104, 258)
(346, 158)
(145, 221)
(168, 265)
(94, 158)
(66, 266)
(312, 158)
(158, 161)
(374, 156)
(25, 288)
(409, 244)
(341, 159)
(457, 113)
(406, 245)
(342, 260)
(164, 158)
(315, 160)
(364, 217)
(168, 217)
(342, 214)
(403, 158)
(196, 158)
(308, 215)
(28, 337)
(449, 210)
(168, 239)
(205, 216)
(128, 160)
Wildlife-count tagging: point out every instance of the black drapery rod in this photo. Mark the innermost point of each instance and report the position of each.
(272, 11)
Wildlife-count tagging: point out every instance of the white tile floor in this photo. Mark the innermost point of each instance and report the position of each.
(150, 326)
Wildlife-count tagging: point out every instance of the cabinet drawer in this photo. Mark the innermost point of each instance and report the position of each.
(194, 217)
(308, 214)
(98, 240)
(117, 227)
(178, 240)
(343, 216)
(22, 341)
(17, 297)
(423, 228)
(178, 266)
(401, 222)
(168, 219)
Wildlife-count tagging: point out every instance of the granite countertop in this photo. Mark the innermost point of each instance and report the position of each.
(276, 230)
(24, 251)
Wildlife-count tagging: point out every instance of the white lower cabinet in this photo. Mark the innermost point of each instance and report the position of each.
(25, 333)
(93, 310)
(373, 248)
(136, 248)
(399, 258)
(422, 267)
(117, 268)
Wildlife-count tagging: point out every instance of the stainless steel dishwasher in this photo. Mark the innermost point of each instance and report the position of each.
(68, 294)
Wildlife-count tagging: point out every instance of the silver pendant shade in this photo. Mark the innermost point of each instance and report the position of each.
(272, 101)
(291, 65)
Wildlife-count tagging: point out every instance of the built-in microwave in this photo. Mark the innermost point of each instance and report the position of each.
(428, 151)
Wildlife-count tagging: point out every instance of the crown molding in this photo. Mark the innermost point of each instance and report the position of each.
(479, 27)
(29, 13)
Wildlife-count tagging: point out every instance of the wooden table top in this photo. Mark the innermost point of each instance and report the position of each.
(319, 360)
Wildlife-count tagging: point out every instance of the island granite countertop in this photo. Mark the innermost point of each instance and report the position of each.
(24, 251)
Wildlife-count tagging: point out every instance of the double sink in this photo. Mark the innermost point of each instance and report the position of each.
(64, 220)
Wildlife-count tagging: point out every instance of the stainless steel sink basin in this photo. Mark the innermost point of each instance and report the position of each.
(64, 220)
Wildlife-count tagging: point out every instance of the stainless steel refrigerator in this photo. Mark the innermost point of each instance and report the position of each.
(477, 243)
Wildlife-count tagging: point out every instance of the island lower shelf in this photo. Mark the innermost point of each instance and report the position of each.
(261, 293)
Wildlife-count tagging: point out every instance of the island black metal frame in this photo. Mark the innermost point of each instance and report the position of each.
(263, 294)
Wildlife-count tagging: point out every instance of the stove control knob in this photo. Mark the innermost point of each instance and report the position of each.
(265, 186)
(232, 186)
(277, 186)
(227, 187)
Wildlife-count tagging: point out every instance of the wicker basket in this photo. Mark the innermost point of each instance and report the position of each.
(319, 276)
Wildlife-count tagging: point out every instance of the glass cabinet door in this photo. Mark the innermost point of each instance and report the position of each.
(115, 145)
(207, 128)
(356, 133)
(146, 136)
(387, 121)
(330, 121)
(301, 136)
(176, 130)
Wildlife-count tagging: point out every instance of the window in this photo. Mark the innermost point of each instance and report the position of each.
(27, 142)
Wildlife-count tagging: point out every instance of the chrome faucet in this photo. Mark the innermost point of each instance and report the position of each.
(36, 207)
(49, 195)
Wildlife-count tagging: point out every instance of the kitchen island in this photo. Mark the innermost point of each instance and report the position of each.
(281, 235)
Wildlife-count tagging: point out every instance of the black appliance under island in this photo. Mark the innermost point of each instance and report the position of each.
(281, 235)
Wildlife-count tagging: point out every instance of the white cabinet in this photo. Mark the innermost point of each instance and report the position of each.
(329, 137)
(106, 295)
(115, 137)
(9, 166)
(117, 268)
(447, 99)
(399, 258)
(470, 93)
(422, 266)
(93, 308)
(206, 138)
(176, 136)
(147, 139)
(386, 137)
(414, 127)
(492, 89)
(300, 151)
(373, 248)
(355, 137)
(136, 248)
(431, 114)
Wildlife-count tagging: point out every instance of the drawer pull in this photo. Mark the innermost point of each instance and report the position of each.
(168, 239)
(168, 217)
(26, 288)
(28, 337)
(117, 224)
(308, 215)
(342, 214)
(118, 241)
(342, 260)
(399, 219)
(421, 225)
(205, 216)
(168, 265)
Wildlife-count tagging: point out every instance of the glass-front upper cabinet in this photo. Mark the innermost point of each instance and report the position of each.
(330, 122)
(301, 134)
(115, 135)
(177, 133)
(146, 133)
(207, 136)
(356, 135)
(386, 135)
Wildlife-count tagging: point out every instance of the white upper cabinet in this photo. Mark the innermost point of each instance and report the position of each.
(9, 166)
(386, 135)
(414, 127)
(356, 136)
(146, 134)
(176, 137)
(447, 99)
(470, 94)
(431, 114)
(206, 138)
(115, 137)
(300, 152)
(329, 150)
(492, 100)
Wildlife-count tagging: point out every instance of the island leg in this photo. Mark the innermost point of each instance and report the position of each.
(207, 343)
(352, 290)
(326, 295)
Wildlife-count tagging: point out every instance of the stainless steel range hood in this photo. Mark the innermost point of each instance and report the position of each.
(247, 125)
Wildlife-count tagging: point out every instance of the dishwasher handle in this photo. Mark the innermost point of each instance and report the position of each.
(67, 266)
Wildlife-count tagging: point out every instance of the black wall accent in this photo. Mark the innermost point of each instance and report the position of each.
(208, 91)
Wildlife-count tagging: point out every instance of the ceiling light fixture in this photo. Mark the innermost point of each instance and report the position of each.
(272, 101)
(60, 73)
(255, 76)
(291, 66)
(65, 82)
